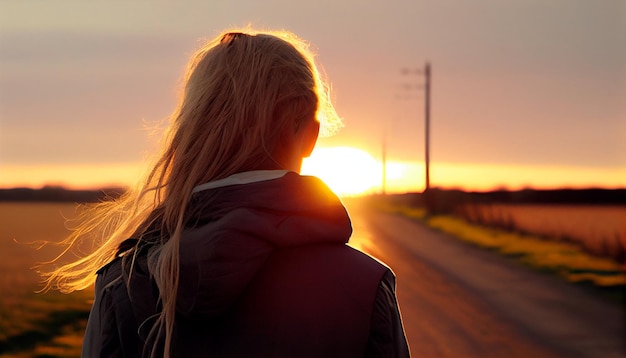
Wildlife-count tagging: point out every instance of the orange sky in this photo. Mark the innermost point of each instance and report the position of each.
(349, 177)
(525, 93)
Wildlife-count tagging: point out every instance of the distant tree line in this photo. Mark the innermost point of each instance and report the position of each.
(534, 196)
(58, 194)
(442, 199)
(446, 201)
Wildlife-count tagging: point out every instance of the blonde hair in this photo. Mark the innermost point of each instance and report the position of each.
(240, 90)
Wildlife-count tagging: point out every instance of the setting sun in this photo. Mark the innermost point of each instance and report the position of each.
(348, 171)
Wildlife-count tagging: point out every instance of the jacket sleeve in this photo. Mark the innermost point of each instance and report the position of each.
(387, 338)
(111, 328)
(100, 336)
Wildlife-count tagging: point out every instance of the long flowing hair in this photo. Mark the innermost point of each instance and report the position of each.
(240, 89)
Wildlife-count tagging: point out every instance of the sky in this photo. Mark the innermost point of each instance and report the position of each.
(525, 93)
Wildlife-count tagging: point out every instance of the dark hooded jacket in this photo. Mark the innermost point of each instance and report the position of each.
(264, 272)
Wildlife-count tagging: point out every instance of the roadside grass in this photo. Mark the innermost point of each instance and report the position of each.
(541, 253)
(34, 324)
(44, 325)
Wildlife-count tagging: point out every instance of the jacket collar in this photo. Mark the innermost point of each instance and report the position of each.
(249, 177)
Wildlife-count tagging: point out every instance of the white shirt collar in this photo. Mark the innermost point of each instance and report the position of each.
(241, 178)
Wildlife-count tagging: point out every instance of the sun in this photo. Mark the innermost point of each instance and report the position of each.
(347, 171)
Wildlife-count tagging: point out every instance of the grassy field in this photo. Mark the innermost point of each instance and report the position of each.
(36, 324)
(600, 229)
(567, 259)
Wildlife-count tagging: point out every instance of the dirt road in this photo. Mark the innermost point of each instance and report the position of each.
(461, 301)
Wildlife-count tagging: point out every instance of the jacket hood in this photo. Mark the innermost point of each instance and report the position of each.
(232, 231)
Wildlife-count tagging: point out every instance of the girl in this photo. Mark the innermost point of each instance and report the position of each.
(224, 249)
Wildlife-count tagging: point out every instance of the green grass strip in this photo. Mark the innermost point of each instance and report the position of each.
(566, 259)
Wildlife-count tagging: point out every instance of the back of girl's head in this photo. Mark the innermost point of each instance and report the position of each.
(240, 92)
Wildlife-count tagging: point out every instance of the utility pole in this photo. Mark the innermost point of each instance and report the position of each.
(427, 83)
(427, 124)
(384, 183)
